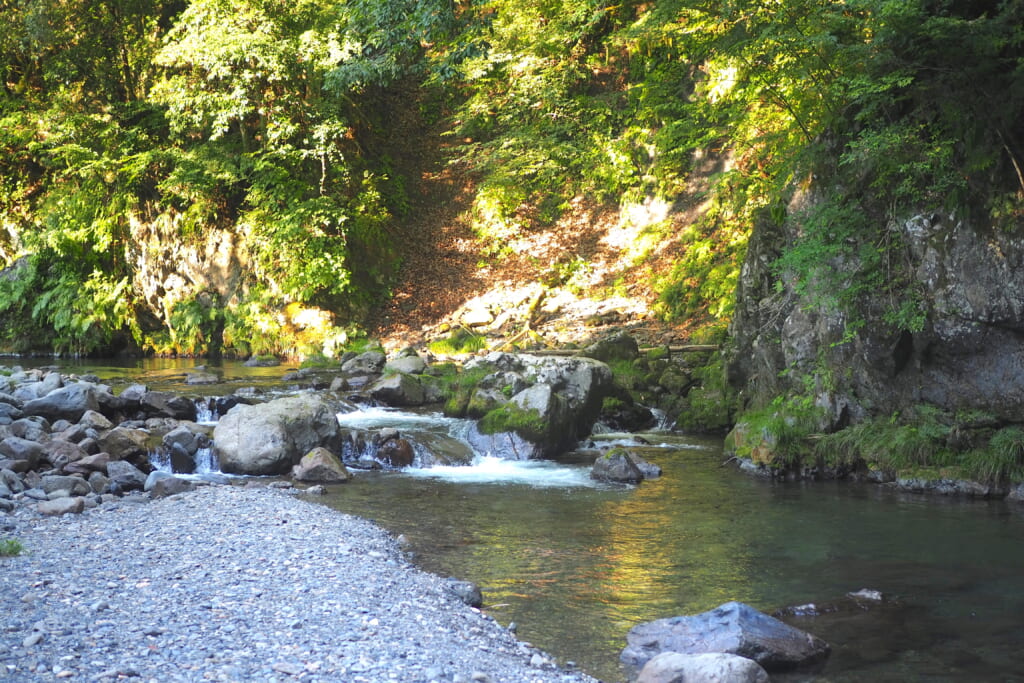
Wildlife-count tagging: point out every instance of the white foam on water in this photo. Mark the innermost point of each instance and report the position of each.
(491, 470)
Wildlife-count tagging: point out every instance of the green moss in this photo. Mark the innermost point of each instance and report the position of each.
(711, 404)
(611, 404)
(458, 389)
(319, 361)
(10, 547)
(511, 418)
(778, 435)
(459, 341)
(657, 353)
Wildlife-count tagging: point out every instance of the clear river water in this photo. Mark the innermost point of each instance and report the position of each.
(575, 564)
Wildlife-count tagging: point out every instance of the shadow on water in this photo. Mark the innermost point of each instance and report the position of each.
(576, 565)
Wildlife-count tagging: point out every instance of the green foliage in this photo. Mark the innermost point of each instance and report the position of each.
(1001, 461)
(458, 388)
(778, 435)
(11, 547)
(900, 443)
(710, 407)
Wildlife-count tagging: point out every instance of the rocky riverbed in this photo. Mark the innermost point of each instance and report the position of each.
(235, 583)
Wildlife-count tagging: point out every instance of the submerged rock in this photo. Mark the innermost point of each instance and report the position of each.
(674, 667)
(733, 628)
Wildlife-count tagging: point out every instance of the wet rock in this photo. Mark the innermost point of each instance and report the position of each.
(616, 466)
(202, 378)
(184, 437)
(396, 452)
(673, 667)
(322, 466)
(733, 628)
(272, 437)
(262, 362)
(466, 591)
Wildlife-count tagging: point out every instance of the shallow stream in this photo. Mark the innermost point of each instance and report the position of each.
(575, 565)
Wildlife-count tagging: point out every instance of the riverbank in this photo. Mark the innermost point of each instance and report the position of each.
(232, 583)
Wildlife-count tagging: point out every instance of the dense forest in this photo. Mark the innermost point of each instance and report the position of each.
(208, 176)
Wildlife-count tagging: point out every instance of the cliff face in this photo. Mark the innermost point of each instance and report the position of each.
(967, 355)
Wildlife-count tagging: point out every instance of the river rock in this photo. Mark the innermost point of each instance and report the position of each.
(95, 420)
(33, 428)
(12, 481)
(397, 452)
(407, 365)
(61, 506)
(9, 413)
(125, 443)
(17, 448)
(182, 436)
(76, 486)
(270, 438)
(733, 628)
(616, 466)
(466, 591)
(200, 377)
(397, 390)
(126, 475)
(712, 667)
(169, 486)
(96, 462)
(322, 466)
(368, 362)
(163, 404)
(69, 402)
(60, 453)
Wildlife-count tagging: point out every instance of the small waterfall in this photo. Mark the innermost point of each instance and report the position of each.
(206, 411)
(663, 422)
(160, 459)
(206, 461)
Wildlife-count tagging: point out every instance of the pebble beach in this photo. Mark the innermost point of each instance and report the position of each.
(235, 583)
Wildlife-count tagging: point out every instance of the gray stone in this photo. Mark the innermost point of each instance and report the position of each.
(33, 428)
(12, 481)
(270, 438)
(61, 453)
(96, 420)
(202, 378)
(153, 478)
(733, 628)
(68, 403)
(397, 390)
(368, 362)
(466, 591)
(406, 365)
(184, 437)
(98, 481)
(322, 466)
(169, 486)
(617, 347)
(16, 448)
(124, 443)
(61, 506)
(76, 486)
(126, 475)
(712, 667)
(616, 466)
(163, 404)
(96, 462)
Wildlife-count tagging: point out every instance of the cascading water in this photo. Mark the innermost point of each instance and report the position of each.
(206, 411)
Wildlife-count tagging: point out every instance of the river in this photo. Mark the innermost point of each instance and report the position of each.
(575, 564)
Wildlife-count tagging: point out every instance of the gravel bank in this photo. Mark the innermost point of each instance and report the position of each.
(237, 584)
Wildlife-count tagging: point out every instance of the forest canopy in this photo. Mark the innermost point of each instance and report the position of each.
(251, 150)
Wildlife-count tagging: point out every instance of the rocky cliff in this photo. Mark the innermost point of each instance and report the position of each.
(963, 350)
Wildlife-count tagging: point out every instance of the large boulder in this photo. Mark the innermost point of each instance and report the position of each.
(733, 628)
(66, 403)
(125, 443)
(616, 466)
(269, 438)
(16, 448)
(712, 667)
(554, 401)
(163, 404)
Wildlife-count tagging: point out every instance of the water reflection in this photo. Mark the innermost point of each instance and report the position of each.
(576, 567)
